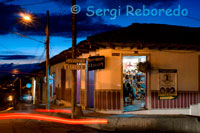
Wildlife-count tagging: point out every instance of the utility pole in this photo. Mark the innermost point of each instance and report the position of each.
(20, 87)
(47, 60)
(74, 72)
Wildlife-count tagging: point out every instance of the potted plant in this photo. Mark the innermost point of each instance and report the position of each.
(144, 67)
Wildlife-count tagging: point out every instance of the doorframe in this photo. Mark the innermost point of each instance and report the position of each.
(148, 79)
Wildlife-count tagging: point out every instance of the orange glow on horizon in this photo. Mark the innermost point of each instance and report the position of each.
(51, 118)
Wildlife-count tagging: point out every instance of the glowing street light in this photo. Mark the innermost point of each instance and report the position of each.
(26, 18)
(15, 71)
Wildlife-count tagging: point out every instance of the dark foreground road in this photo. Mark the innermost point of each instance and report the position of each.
(35, 126)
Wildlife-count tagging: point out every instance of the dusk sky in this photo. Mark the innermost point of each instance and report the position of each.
(19, 50)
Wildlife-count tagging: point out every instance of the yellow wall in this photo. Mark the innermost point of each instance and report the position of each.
(186, 62)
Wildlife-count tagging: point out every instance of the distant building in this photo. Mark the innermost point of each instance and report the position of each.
(169, 83)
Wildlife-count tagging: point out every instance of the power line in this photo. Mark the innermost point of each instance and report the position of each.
(36, 50)
(4, 46)
(43, 2)
(42, 55)
(28, 37)
(9, 50)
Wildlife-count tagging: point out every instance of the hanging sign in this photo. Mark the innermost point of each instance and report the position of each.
(75, 67)
(96, 62)
(167, 84)
(77, 60)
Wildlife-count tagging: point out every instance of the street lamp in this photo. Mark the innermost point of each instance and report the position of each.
(27, 18)
(15, 71)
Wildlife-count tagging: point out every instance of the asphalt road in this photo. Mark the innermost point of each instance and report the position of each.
(36, 126)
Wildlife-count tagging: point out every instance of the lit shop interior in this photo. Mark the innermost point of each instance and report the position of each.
(134, 84)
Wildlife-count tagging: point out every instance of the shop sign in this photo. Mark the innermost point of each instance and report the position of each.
(115, 54)
(77, 60)
(167, 97)
(96, 62)
(167, 84)
(75, 67)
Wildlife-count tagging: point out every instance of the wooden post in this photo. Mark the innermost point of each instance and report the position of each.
(74, 72)
(47, 61)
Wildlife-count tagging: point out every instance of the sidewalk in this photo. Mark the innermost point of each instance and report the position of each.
(133, 122)
(155, 123)
(143, 122)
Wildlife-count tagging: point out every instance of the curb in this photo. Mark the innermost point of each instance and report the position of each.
(150, 124)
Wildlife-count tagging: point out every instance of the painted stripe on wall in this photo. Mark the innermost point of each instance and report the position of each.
(108, 99)
(184, 100)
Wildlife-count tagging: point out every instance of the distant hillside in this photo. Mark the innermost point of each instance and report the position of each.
(6, 69)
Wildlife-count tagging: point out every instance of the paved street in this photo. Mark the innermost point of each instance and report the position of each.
(35, 126)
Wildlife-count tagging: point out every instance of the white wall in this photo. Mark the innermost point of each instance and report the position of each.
(57, 70)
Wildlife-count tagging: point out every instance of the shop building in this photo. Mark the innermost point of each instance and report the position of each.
(168, 57)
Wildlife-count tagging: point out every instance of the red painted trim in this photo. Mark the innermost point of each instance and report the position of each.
(114, 101)
(184, 100)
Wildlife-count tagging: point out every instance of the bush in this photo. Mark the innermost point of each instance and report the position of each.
(144, 67)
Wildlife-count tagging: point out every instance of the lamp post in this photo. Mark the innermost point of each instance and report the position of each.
(27, 18)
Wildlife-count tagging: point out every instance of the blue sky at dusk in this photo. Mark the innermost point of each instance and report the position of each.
(20, 50)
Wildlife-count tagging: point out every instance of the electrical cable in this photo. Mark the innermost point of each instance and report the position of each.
(36, 51)
(28, 37)
(43, 2)
(39, 61)
(9, 50)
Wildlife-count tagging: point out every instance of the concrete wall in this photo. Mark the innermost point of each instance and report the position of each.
(110, 78)
(194, 110)
(186, 62)
(57, 70)
(112, 70)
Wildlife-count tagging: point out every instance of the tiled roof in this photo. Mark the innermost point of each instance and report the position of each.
(152, 36)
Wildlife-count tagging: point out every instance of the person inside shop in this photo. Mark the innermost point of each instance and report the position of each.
(134, 86)
(126, 91)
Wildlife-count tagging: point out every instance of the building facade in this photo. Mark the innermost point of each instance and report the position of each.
(170, 85)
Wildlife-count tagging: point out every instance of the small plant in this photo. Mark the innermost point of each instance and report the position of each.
(144, 67)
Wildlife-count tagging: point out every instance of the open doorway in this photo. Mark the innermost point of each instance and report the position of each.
(78, 87)
(134, 84)
(91, 89)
